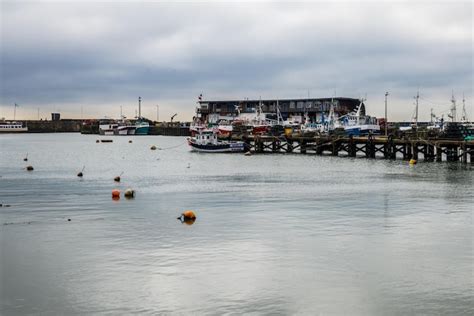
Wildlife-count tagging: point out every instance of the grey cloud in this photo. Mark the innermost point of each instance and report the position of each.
(86, 53)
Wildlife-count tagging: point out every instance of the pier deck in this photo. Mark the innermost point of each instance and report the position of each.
(368, 146)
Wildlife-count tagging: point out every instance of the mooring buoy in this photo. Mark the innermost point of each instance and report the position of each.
(97, 141)
(30, 168)
(153, 147)
(117, 178)
(26, 157)
(115, 194)
(129, 193)
(413, 162)
(80, 174)
(130, 141)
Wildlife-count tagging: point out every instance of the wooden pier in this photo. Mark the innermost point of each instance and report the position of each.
(368, 146)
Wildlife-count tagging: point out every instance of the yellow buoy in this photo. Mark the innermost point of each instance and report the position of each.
(129, 193)
(413, 161)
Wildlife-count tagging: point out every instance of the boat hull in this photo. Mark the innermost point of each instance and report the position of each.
(218, 148)
(362, 130)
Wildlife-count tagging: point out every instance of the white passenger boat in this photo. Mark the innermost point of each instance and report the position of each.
(207, 141)
(12, 127)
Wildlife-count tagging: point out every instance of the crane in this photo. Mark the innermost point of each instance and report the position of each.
(173, 116)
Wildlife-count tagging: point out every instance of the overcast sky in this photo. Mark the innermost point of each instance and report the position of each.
(98, 56)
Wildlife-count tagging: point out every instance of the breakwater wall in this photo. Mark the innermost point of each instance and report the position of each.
(61, 126)
(170, 130)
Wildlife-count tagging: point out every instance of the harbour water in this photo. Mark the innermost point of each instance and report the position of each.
(275, 234)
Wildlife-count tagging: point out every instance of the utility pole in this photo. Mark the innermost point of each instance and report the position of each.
(14, 111)
(386, 121)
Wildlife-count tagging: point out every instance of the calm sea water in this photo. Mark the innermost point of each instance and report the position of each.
(275, 234)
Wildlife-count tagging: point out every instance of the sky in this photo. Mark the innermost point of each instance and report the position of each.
(93, 59)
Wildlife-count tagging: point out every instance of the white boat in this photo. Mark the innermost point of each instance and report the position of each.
(12, 127)
(207, 141)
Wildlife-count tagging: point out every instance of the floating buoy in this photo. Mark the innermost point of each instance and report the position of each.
(26, 157)
(80, 174)
(129, 193)
(130, 141)
(248, 153)
(117, 178)
(97, 141)
(413, 161)
(189, 165)
(30, 168)
(153, 147)
(187, 217)
(68, 219)
(115, 194)
(106, 140)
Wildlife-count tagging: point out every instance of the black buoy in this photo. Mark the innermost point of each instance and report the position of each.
(80, 174)
(68, 219)
(130, 141)
(30, 168)
(117, 178)
(26, 158)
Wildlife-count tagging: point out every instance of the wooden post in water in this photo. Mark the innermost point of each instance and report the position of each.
(415, 150)
(352, 147)
(289, 146)
(303, 146)
(408, 151)
(464, 153)
(334, 150)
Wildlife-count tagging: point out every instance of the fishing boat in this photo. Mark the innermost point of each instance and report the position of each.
(107, 127)
(207, 141)
(142, 127)
(12, 127)
(358, 123)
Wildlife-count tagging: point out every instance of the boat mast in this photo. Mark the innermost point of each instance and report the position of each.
(139, 107)
(464, 114)
(453, 108)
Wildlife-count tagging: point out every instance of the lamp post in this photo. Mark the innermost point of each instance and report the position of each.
(386, 122)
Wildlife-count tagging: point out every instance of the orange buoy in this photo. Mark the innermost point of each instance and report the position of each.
(115, 194)
(188, 215)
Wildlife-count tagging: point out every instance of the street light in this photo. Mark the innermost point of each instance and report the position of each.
(386, 122)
